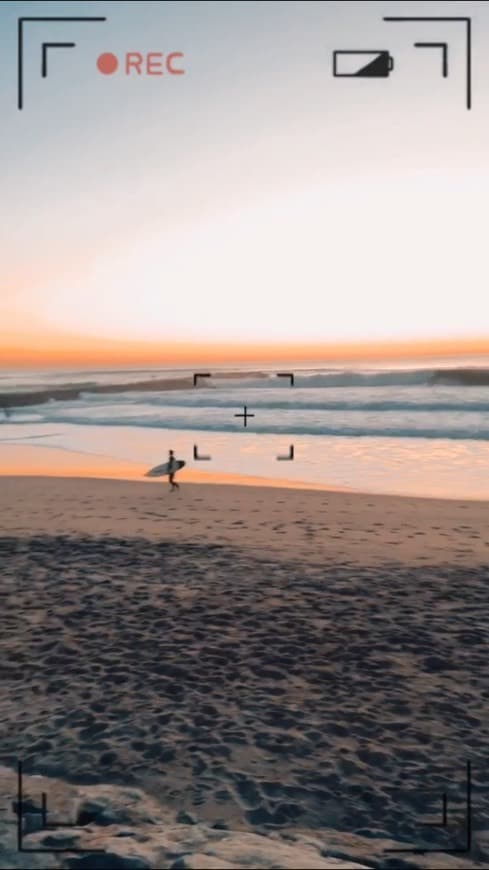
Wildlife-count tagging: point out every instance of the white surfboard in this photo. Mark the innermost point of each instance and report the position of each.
(161, 470)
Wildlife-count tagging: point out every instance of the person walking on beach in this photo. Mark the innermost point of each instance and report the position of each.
(172, 468)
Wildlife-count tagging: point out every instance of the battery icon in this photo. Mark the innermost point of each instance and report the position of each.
(374, 64)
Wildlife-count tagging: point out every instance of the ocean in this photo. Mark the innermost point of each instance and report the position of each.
(413, 430)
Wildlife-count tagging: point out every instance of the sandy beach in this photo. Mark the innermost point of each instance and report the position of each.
(267, 659)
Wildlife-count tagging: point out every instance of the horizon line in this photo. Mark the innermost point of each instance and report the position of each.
(75, 350)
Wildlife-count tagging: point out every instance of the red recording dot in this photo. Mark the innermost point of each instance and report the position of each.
(107, 63)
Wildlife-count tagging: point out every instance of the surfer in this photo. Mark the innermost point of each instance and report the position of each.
(172, 468)
(169, 468)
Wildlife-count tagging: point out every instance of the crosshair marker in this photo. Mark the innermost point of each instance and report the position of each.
(245, 415)
(468, 823)
(444, 50)
(290, 456)
(19, 807)
(196, 454)
(287, 375)
(20, 43)
(198, 375)
(45, 46)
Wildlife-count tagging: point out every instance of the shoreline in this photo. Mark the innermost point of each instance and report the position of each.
(28, 461)
(21, 460)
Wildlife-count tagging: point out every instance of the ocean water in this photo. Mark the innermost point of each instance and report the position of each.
(411, 429)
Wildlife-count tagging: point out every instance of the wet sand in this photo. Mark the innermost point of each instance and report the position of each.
(270, 660)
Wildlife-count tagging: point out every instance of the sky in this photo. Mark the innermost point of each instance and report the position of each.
(253, 202)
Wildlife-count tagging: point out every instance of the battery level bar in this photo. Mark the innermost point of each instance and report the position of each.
(362, 64)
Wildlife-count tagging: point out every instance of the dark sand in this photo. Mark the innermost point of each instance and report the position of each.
(261, 693)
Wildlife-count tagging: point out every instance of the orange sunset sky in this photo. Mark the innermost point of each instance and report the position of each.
(254, 209)
(35, 346)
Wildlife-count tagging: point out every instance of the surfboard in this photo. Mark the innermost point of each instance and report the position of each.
(161, 470)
